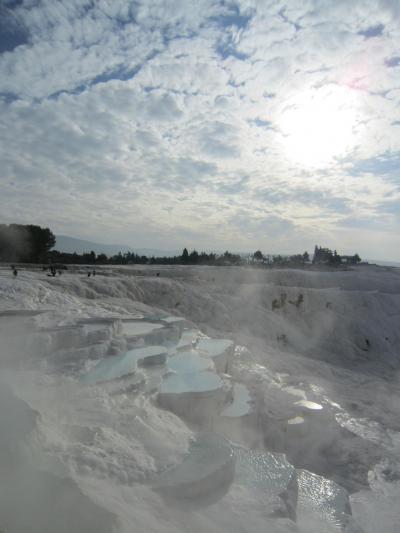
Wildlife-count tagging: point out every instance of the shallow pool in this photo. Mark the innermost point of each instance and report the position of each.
(115, 367)
(214, 347)
(137, 328)
(195, 382)
(241, 402)
(189, 362)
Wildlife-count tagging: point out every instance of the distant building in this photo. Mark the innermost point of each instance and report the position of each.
(350, 259)
(329, 257)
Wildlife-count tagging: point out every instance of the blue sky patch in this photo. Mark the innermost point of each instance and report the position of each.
(12, 32)
(372, 31)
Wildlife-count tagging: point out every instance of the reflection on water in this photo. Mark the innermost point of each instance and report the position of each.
(309, 405)
(323, 498)
(268, 472)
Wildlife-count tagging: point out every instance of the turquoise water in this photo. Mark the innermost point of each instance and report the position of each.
(189, 362)
(173, 319)
(188, 337)
(110, 368)
(214, 347)
(194, 382)
(136, 328)
(114, 367)
(241, 402)
(148, 352)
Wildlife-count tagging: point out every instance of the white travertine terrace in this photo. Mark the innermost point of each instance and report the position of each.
(155, 379)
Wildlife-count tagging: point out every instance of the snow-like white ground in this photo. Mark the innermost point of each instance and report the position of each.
(114, 416)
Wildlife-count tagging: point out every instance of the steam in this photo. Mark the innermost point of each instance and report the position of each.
(15, 242)
(71, 458)
(32, 497)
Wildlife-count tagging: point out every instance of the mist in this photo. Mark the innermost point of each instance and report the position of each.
(15, 242)
(200, 398)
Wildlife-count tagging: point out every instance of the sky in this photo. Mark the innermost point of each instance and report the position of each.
(214, 125)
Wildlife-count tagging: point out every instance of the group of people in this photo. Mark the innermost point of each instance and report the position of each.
(53, 272)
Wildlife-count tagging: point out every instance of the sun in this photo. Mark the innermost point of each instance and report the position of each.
(319, 125)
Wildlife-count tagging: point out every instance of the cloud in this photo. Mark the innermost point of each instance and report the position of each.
(219, 140)
(386, 165)
(251, 226)
(165, 120)
(393, 61)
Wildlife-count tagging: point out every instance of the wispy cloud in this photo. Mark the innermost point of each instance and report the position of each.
(164, 122)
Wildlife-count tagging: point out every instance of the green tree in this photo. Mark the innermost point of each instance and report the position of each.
(42, 240)
(102, 258)
(27, 243)
(185, 256)
(194, 257)
(258, 256)
(316, 256)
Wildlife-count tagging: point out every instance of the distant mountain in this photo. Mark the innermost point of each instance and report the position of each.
(80, 246)
(383, 263)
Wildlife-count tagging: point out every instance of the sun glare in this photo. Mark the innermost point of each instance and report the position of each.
(318, 126)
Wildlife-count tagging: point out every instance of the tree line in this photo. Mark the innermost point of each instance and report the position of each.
(323, 256)
(33, 244)
(131, 258)
(25, 243)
